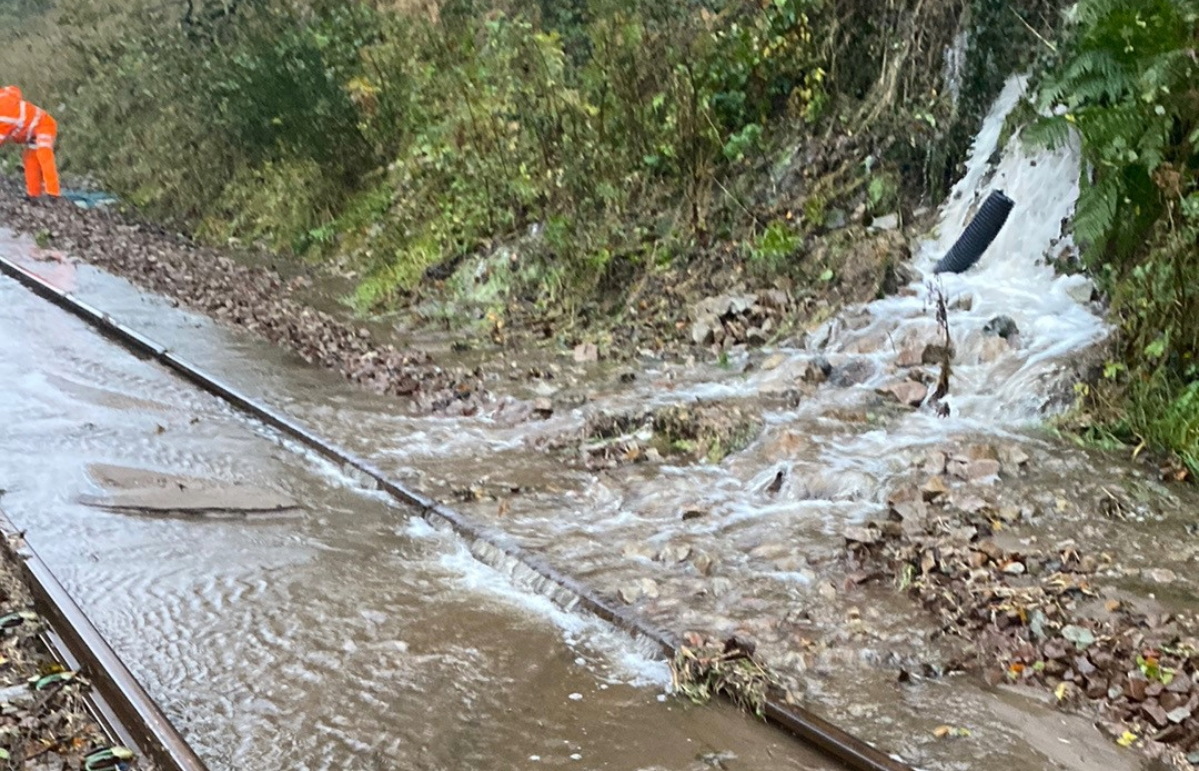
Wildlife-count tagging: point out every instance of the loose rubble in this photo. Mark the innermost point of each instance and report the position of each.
(682, 432)
(1034, 614)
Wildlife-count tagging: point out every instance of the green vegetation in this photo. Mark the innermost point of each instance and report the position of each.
(1126, 80)
(636, 135)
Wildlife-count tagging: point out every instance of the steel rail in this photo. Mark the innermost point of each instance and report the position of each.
(487, 544)
(118, 702)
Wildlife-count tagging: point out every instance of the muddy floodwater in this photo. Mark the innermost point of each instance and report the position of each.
(295, 621)
(285, 617)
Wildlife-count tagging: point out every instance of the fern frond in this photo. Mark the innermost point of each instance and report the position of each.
(1095, 215)
(1051, 132)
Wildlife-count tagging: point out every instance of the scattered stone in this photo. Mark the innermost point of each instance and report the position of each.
(586, 352)
(1013, 457)
(1081, 291)
(934, 463)
(886, 222)
(636, 551)
(703, 563)
(963, 302)
(911, 355)
(864, 535)
(991, 349)
(689, 514)
(1159, 575)
(979, 470)
(543, 407)
(1001, 326)
(674, 554)
(934, 488)
(773, 362)
(936, 354)
(701, 332)
(721, 586)
(853, 372)
(817, 371)
(906, 392)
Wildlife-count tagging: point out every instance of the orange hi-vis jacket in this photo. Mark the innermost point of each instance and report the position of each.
(33, 127)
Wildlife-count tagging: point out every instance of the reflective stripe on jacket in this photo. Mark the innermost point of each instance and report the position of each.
(23, 122)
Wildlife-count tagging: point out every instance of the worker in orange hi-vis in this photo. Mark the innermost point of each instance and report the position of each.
(33, 127)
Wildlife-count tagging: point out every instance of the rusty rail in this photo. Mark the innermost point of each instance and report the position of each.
(119, 703)
(485, 542)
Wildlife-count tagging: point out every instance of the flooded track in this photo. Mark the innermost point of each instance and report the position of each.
(343, 634)
(759, 557)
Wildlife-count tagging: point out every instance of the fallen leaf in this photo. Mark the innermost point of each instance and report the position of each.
(1126, 739)
(1081, 637)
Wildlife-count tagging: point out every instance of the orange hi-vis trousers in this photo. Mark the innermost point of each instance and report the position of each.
(41, 173)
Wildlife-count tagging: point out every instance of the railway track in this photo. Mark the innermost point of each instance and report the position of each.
(116, 701)
(489, 546)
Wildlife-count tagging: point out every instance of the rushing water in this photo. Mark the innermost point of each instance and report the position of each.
(349, 637)
(349, 631)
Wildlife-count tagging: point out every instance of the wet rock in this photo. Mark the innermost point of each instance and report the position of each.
(693, 513)
(886, 222)
(773, 362)
(674, 554)
(1159, 575)
(1013, 457)
(586, 352)
(755, 336)
(703, 563)
(936, 354)
(817, 371)
(637, 551)
(543, 407)
(1081, 291)
(964, 302)
(634, 591)
(863, 535)
(992, 349)
(982, 452)
(721, 586)
(1001, 326)
(906, 392)
(853, 372)
(702, 332)
(983, 469)
(934, 462)
(934, 488)
(911, 355)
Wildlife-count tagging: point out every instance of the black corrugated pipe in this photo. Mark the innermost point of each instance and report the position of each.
(978, 235)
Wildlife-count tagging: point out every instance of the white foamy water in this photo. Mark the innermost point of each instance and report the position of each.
(1012, 279)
